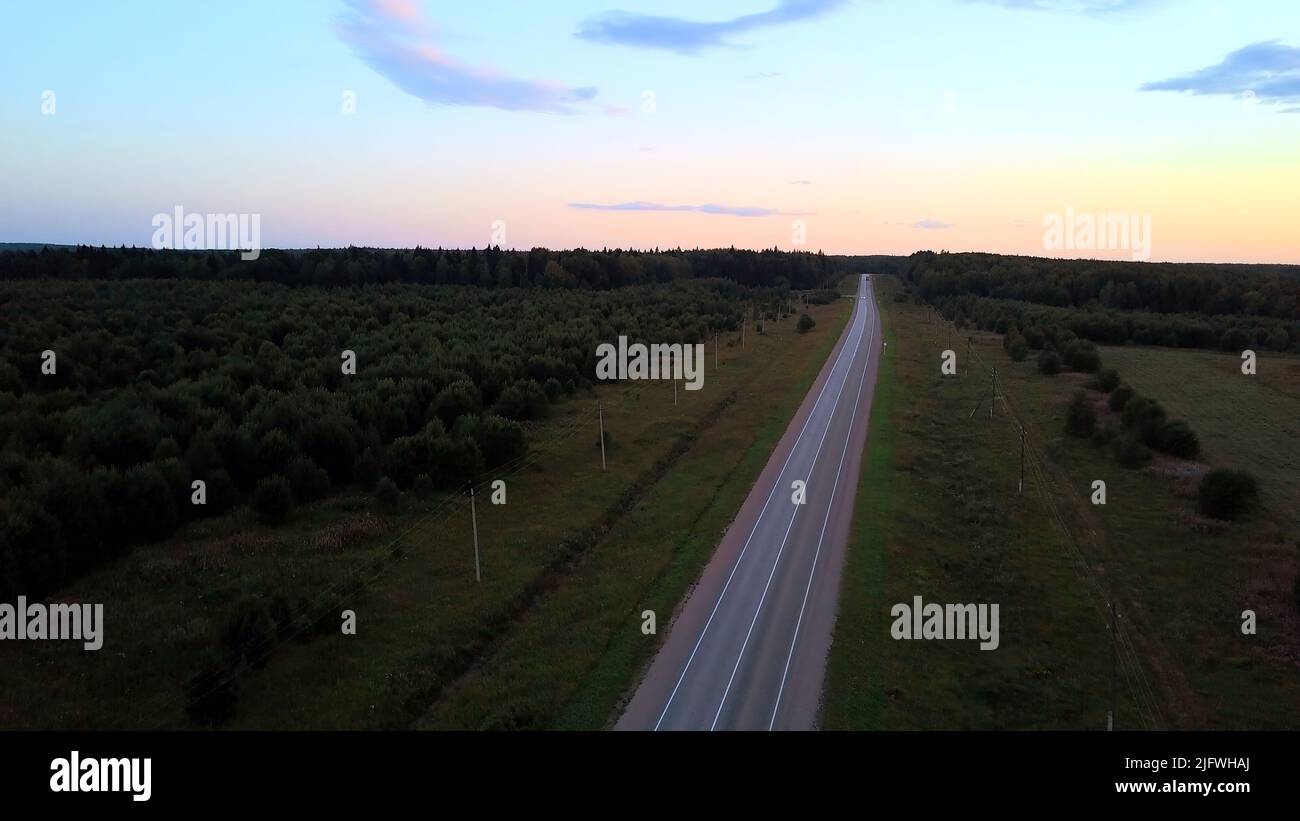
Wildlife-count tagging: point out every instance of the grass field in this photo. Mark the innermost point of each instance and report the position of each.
(1179, 590)
(568, 563)
(1248, 422)
(938, 515)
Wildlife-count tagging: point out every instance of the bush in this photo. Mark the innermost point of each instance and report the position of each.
(1104, 435)
(423, 486)
(1178, 439)
(272, 499)
(806, 324)
(1018, 350)
(248, 632)
(366, 469)
(1107, 380)
(1081, 418)
(1130, 452)
(1082, 356)
(307, 481)
(500, 440)
(386, 493)
(1049, 363)
(1227, 494)
(1146, 418)
(1120, 397)
(523, 400)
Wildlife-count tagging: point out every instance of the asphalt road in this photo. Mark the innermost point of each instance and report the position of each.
(747, 650)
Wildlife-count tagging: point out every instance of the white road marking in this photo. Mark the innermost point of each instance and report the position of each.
(799, 623)
(780, 551)
(793, 448)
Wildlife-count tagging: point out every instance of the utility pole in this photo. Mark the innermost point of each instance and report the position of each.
(744, 320)
(473, 514)
(1114, 704)
(1021, 488)
(995, 394)
(600, 415)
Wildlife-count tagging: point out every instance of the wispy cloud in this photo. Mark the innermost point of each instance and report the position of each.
(394, 38)
(707, 208)
(801, 182)
(1270, 70)
(692, 36)
(932, 224)
(1095, 7)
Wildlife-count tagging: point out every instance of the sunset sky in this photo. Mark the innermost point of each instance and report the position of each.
(883, 126)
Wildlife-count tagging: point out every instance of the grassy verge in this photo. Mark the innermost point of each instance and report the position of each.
(571, 659)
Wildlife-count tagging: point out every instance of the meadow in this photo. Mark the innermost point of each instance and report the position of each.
(1179, 584)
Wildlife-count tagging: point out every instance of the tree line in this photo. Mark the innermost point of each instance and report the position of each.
(490, 267)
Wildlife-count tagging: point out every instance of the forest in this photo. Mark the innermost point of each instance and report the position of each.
(1224, 307)
(118, 390)
(487, 268)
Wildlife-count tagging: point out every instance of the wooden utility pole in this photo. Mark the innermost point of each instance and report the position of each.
(995, 394)
(473, 515)
(600, 415)
(1113, 719)
(1021, 488)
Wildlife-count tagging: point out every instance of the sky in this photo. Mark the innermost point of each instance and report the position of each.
(847, 126)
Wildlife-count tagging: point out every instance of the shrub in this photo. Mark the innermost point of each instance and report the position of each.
(1081, 417)
(1226, 494)
(500, 440)
(1082, 356)
(386, 493)
(1104, 435)
(1177, 438)
(806, 324)
(523, 400)
(1130, 452)
(367, 469)
(307, 481)
(1106, 381)
(1120, 397)
(1049, 363)
(249, 630)
(423, 486)
(272, 499)
(1018, 350)
(1145, 417)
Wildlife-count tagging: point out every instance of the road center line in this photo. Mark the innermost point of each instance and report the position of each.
(780, 551)
(830, 376)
